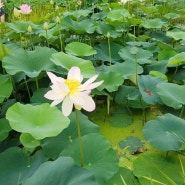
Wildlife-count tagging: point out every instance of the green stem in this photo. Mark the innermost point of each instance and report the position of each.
(110, 56)
(37, 83)
(27, 89)
(79, 138)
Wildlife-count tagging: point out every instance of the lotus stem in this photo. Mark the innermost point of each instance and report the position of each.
(79, 138)
(37, 83)
(110, 56)
(27, 89)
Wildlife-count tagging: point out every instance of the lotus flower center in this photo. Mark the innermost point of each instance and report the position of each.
(73, 85)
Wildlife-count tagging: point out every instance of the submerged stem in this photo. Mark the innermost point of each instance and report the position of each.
(79, 138)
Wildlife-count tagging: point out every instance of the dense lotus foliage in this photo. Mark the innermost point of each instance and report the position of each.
(118, 67)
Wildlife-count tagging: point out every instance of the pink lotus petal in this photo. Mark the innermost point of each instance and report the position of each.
(67, 106)
(25, 9)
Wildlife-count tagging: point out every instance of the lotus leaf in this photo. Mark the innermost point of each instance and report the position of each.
(155, 169)
(40, 121)
(79, 49)
(29, 62)
(171, 94)
(6, 88)
(67, 61)
(166, 132)
(99, 157)
(62, 171)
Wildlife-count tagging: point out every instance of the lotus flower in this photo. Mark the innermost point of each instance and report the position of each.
(71, 91)
(25, 9)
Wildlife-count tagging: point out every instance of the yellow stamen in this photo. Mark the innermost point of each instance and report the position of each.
(73, 85)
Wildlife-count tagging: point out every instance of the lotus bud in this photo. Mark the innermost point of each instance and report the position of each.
(51, 2)
(57, 19)
(16, 12)
(29, 29)
(108, 34)
(46, 26)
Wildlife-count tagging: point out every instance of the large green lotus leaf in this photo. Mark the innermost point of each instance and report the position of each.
(29, 62)
(16, 166)
(117, 16)
(176, 35)
(22, 26)
(153, 23)
(112, 80)
(67, 61)
(172, 15)
(103, 28)
(78, 13)
(166, 54)
(127, 69)
(156, 169)
(80, 27)
(53, 146)
(79, 49)
(171, 94)
(166, 132)
(4, 51)
(147, 86)
(163, 45)
(62, 171)
(123, 177)
(103, 52)
(4, 129)
(40, 121)
(99, 157)
(6, 88)
(141, 56)
(177, 60)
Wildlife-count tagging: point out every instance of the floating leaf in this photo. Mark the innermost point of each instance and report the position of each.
(99, 157)
(62, 171)
(67, 61)
(29, 62)
(123, 177)
(147, 87)
(171, 94)
(40, 121)
(156, 169)
(6, 88)
(166, 132)
(79, 49)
